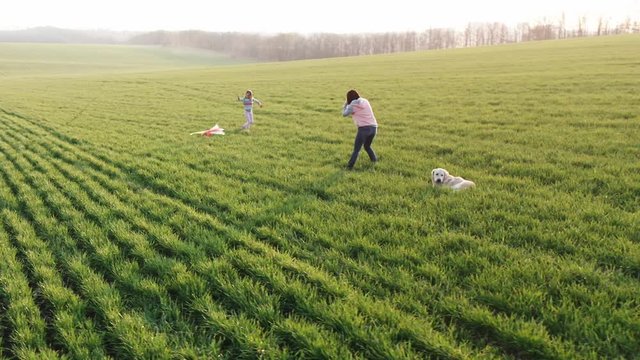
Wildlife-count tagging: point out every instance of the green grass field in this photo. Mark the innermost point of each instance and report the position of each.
(48, 60)
(124, 237)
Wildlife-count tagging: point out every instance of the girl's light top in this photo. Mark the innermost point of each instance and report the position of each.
(248, 103)
(361, 112)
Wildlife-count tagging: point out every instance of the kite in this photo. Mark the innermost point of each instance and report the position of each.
(216, 130)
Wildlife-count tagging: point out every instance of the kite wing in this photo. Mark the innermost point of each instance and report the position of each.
(215, 130)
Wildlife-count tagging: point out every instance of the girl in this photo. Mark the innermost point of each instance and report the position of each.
(248, 101)
(362, 115)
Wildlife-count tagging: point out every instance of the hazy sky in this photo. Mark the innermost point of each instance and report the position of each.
(302, 16)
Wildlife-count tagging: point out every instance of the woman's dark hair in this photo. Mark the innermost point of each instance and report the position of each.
(352, 95)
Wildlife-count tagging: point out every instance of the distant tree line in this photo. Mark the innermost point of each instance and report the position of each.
(293, 46)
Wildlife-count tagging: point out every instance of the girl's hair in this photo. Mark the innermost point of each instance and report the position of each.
(249, 92)
(352, 95)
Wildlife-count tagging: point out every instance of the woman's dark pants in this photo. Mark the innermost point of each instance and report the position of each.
(364, 137)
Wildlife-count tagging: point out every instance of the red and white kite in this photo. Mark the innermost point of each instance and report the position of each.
(216, 130)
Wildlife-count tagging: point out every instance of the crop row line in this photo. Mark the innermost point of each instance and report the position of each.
(301, 299)
(76, 333)
(24, 330)
(127, 332)
(467, 317)
(173, 276)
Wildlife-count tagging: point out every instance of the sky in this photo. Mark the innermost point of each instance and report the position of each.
(301, 16)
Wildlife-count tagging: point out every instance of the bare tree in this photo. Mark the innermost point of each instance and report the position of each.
(625, 27)
(582, 26)
(603, 27)
(492, 29)
(483, 31)
(467, 36)
(524, 32)
(410, 41)
(562, 31)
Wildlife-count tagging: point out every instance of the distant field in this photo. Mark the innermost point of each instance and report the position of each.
(125, 237)
(26, 59)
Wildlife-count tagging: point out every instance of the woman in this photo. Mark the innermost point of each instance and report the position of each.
(362, 115)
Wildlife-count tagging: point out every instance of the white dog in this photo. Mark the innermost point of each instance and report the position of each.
(441, 177)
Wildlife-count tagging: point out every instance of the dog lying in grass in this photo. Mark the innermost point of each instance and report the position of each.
(441, 177)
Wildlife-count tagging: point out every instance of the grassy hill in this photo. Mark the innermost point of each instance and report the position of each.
(125, 237)
(28, 59)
